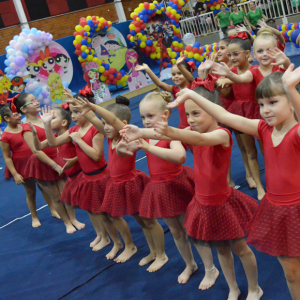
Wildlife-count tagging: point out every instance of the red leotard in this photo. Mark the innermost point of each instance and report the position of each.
(225, 101)
(258, 76)
(275, 227)
(217, 212)
(20, 152)
(170, 189)
(37, 169)
(124, 190)
(279, 46)
(91, 188)
(244, 103)
(70, 191)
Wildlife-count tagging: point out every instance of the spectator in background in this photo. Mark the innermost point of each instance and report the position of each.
(223, 17)
(198, 8)
(254, 15)
(237, 17)
(230, 3)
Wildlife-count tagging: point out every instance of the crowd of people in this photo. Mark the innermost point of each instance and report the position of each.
(200, 206)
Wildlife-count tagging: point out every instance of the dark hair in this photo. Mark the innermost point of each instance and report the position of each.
(20, 101)
(229, 28)
(120, 109)
(222, 5)
(64, 114)
(61, 55)
(272, 86)
(5, 111)
(90, 98)
(101, 33)
(186, 66)
(271, 23)
(226, 39)
(212, 96)
(244, 44)
(112, 43)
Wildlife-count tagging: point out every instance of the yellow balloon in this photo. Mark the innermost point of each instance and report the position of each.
(158, 12)
(78, 28)
(78, 38)
(175, 44)
(124, 83)
(141, 5)
(158, 49)
(103, 78)
(74, 42)
(178, 16)
(139, 35)
(153, 55)
(144, 38)
(212, 7)
(131, 39)
(169, 50)
(101, 69)
(190, 55)
(169, 8)
(95, 59)
(152, 6)
(201, 58)
(89, 40)
(83, 48)
(173, 61)
(87, 28)
(173, 54)
(158, 55)
(80, 58)
(89, 18)
(131, 27)
(138, 19)
(218, 6)
(180, 45)
(173, 11)
(101, 20)
(142, 44)
(131, 15)
(197, 56)
(90, 57)
(109, 22)
(181, 2)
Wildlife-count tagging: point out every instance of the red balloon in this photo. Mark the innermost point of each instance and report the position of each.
(76, 33)
(146, 5)
(148, 49)
(107, 82)
(200, 50)
(176, 49)
(175, 2)
(168, 14)
(105, 73)
(128, 36)
(115, 80)
(137, 29)
(153, 50)
(173, 17)
(220, 1)
(111, 77)
(82, 23)
(78, 46)
(136, 23)
(165, 64)
(188, 48)
(134, 17)
(143, 26)
(97, 22)
(179, 6)
(209, 5)
(82, 32)
(215, 3)
(195, 50)
(104, 23)
(178, 35)
(119, 76)
(113, 70)
(78, 52)
(94, 18)
(141, 22)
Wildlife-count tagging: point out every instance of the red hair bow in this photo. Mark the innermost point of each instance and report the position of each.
(208, 83)
(12, 101)
(65, 106)
(86, 91)
(241, 35)
(192, 65)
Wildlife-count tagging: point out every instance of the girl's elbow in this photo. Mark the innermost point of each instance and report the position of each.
(181, 159)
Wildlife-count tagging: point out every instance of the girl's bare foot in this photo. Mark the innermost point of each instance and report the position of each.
(103, 243)
(234, 294)
(147, 260)
(36, 223)
(95, 241)
(231, 184)
(260, 193)
(70, 228)
(255, 295)
(126, 254)
(158, 264)
(209, 279)
(114, 251)
(251, 182)
(184, 277)
(55, 214)
(78, 224)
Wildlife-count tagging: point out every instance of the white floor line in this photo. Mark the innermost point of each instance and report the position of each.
(44, 206)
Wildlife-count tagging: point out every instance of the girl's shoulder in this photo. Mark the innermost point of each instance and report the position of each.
(74, 129)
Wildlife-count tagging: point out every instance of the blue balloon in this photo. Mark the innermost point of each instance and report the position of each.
(106, 27)
(89, 45)
(170, 3)
(179, 11)
(289, 26)
(142, 31)
(158, 61)
(197, 45)
(123, 72)
(140, 14)
(84, 42)
(90, 22)
(175, 38)
(66, 84)
(294, 35)
(25, 48)
(144, 11)
(7, 63)
(106, 67)
(279, 27)
(7, 70)
(174, 6)
(92, 29)
(83, 55)
(26, 31)
(85, 34)
(149, 42)
(197, 63)
(16, 38)
(8, 47)
(146, 18)
(95, 26)
(33, 31)
(155, 10)
(132, 32)
(169, 65)
(173, 22)
(139, 41)
(150, 11)
(115, 74)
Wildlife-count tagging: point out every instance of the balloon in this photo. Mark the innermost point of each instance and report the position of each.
(20, 61)
(13, 66)
(11, 51)
(11, 58)
(18, 47)
(189, 39)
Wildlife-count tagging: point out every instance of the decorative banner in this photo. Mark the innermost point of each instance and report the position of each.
(136, 79)
(5, 86)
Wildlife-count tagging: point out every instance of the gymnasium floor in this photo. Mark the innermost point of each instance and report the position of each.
(46, 263)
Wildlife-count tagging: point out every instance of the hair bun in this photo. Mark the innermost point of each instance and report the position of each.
(265, 31)
(122, 100)
(166, 96)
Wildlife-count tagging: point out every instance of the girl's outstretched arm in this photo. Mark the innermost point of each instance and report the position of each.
(155, 79)
(279, 58)
(94, 152)
(188, 75)
(223, 70)
(216, 137)
(37, 143)
(219, 113)
(290, 79)
(176, 154)
(9, 163)
(125, 149)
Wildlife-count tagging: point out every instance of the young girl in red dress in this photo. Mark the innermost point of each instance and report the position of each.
(16, 154)
(218, 215)
(95, 176)
(67, 153)
(180, 83)
(274, 228)
(244, 103)
(171, 187)
(43, 166)
(126, 184)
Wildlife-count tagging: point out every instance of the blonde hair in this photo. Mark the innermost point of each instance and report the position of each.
(59, 91)
(266, 34)
(162, 97)
(266, 31)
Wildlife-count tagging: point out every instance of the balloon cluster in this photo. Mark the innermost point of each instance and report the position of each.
(21, 47)
(290, 32)
(174, 10)
(39, 92)
(83, 36)
(107, 74)
(214, 5)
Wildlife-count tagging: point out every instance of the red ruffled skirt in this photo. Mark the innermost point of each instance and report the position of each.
(221, 222)
(19, 163)
(91, 191)
(70, 193)
(168, 199)
(226, 103)
(275, 230)
(248, 110)
(123, 197)
(39, 170)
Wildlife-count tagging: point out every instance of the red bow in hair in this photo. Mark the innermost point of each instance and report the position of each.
(86, 91)
(241, 35)
(208, 83)
(192, 65)
(12, 105)
(65, 106)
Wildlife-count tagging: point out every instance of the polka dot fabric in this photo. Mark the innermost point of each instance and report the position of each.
(124, 198)
(248, 110)
(168, 199)
(91, 191)
(221, 222)
(70, 193)
(275, 230)
(19, 163)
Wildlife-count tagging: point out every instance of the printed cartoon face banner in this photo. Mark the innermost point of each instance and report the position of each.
(110, 47)
(5, 86)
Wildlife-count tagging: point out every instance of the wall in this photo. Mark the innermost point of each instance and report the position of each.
(60, 26)
(129, 6)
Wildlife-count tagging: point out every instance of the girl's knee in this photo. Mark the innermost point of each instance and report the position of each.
(291, 275)
(223, 250)
(177, 234)
(252, 154)
(242, 250)
(150, 223)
